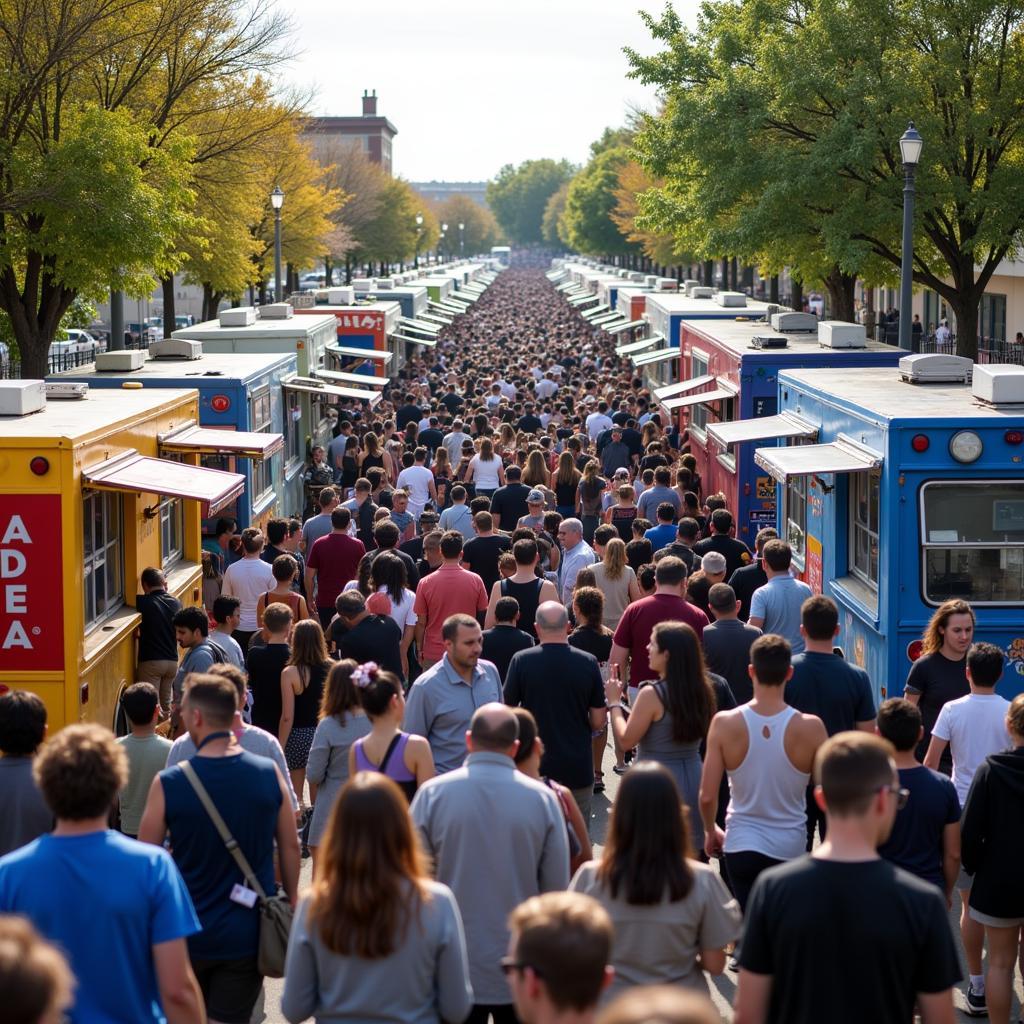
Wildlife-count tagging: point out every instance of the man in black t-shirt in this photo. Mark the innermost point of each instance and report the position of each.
(842, 935)
(481, 554)
(408, 413)
(359, 635)
(736, 552)
(265, 663)
(158, 649)
(503, 641)
(508, 503)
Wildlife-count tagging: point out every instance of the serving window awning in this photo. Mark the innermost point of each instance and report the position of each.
(464, 296)
(632, 325)
(580, 300)
(605, 319)
(455, 308)
(681, 387)
(313, 386)
(246, 444)
(781, 427)
(638, 346)
(843, 455)
(601, 307)
(567, 286)
(342, 377)
(660, 355)
(139, 474)
(418, 340)
(419, 325)
(436, 319)
(359, 354)
(685, 401)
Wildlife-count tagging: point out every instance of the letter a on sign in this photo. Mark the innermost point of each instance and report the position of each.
(32, 583)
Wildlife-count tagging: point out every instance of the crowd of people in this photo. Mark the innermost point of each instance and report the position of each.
(513, 582)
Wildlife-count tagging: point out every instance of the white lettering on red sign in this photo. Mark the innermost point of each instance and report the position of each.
(12, 566)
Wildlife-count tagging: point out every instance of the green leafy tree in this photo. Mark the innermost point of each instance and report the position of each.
(781, 126)
(552, 224)
(519, 195)
(480, 229)
(590, 203)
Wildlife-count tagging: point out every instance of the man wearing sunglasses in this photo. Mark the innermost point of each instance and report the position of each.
(842, 934)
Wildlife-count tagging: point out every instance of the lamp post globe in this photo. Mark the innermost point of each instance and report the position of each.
(462, 240)
(911, 145)
(277, 201)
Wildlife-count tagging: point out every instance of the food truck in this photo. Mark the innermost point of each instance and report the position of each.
(242, 416)
(411, 297)
(93, 491)
(727, 396)
(911, 493)
(308, 397)
(366, 325)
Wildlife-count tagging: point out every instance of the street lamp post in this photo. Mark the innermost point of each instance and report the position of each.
(910, 149)
(277, 201)
(419, 229)
(440, 241)
(462, 238)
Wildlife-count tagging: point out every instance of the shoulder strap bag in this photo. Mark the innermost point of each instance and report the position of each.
(276, 912)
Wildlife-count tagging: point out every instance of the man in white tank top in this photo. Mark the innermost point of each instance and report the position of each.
(767, 748)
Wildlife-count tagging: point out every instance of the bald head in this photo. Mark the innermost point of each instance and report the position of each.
(493, 728)
(552, 620)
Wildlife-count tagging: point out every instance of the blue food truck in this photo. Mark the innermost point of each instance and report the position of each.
(911, 494)
(242, 428)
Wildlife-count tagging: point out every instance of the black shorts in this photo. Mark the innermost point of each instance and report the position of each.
(230, 988)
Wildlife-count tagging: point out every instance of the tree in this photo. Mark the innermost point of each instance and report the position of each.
(633, 181)
(393, 236)
(551, 225)
(518, 196)
(590, 201)
(826, 88)
(480, 232)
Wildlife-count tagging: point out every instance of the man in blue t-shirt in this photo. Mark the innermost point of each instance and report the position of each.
(119, 909)
(664, 533)
(251, 796)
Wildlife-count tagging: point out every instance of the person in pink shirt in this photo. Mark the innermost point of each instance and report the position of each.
(450, 590)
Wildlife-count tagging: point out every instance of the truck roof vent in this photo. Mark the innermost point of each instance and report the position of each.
(124, 361)
(304, 300)
(239, 316)
(793, 322)
(67, 389)
(362, 284)
(21, 397)
(277, 311)
(341, 296)
(839, 334)
(769, 341)
(177, 348)
(701, 291)
(999, 384)
(731, 299)
(935, 368)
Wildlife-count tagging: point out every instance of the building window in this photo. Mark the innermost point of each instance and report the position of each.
(796, 515)
(864, 507)
(992, 318)
(103, 556)
(261, 420)
(293, 428)
(972, 533)
(172, 545)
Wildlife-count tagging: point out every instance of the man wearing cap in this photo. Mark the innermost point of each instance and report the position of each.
(534, 517)
(427, 524)
(615, 453)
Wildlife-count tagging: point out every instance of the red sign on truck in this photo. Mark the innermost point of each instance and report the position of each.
(31, 583)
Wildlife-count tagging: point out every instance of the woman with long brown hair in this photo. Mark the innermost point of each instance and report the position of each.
(443, 473)
(564, 481)
(589, 493)
(342, 722)
(302, 688)
(376, 938)
(940, 674)
(615, 578)
(485, 471)
(673, 916)
(536, 472)
(670, 718)
(373, 454)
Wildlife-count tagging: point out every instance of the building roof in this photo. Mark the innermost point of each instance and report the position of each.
(735, 335)
(350, 125)
(212, 368)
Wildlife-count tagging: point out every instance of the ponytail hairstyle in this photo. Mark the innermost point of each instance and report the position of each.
(377, 688)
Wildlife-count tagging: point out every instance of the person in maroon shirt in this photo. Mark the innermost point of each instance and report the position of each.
(666, 604)
(333, 560)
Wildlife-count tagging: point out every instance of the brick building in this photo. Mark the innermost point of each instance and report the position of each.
(371, 131)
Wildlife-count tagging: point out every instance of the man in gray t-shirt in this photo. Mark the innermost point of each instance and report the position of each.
(319, 525)
(24, 815)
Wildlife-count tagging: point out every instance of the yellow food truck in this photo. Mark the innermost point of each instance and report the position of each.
(94, 487)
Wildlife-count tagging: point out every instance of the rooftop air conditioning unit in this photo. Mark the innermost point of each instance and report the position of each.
(793, 322)
(277, 311)
(341, 296)
(67, 389)
(838, 334)
(362, 284)
(935, 368)
(651, 280)
(770, 310)
(302, 300)
(635, 275)
(769, 341)
(123, 361)
(239, 316)
(177, 348)
(20, 397)
(667, 284)
(999, 384)
(386, 283)
(703, 291)
(731, 299)
(686, 285)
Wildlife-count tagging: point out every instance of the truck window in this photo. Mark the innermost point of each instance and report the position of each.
(972, 533)
(103, 556)
(261, 420)
(864, 507)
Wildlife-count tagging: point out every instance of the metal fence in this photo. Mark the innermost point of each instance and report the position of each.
(59, 361)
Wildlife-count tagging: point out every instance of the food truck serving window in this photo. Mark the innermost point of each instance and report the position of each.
(171, 542)
(973, 538)
(796, 516)
(103, 556)
(261, 420)
(864, 509)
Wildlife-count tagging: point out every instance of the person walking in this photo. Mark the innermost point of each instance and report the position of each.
(191, 633)
(158, 652)
(441, 702)
(671, 717)
(302, 688)
(342, 722)
(727, 641)
(146, 751)
(24, 815)
(748, 578)
(226, 616)
(400, 955)
(844, 897)
(561, 687)
(528, 588)
(487, 804)
(115, 907)
(615, 579)
(991, 837)
(672, 916)
(247, 579)
(504, 639)
(576, 554)
(768, 750)
(264, 665)
(457, 516)
(332, 561)
(285, 569)
(252, 799)
(481, 553)
(775, 607)
(486, 471)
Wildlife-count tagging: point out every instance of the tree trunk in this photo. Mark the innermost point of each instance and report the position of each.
(167, 287)
(35, 315)
(797, 293)
(211, 302)
(748, 280)
(773, 288)
(965, 309)
(725, 274)
(328, 272)
(735, 277)
(840, 288)
(348, 270)
(709, 273)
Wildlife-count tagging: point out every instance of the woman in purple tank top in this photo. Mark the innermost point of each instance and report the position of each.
(402, 757)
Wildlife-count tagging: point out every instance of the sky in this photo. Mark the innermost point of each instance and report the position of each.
(474, 84)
